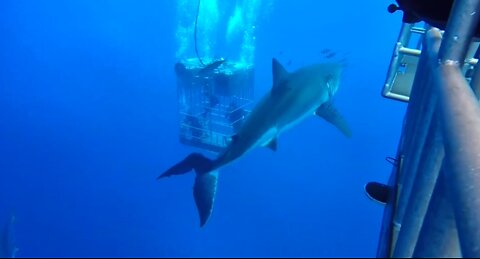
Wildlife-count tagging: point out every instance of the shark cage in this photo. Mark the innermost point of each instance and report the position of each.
(215, 75)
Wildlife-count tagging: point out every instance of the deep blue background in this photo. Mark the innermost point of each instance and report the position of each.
(88, 120)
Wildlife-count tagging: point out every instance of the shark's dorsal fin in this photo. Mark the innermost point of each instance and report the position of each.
(279, 73)
(330, 114)
(272, 144)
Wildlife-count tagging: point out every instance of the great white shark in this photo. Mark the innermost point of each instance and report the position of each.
(293, 97)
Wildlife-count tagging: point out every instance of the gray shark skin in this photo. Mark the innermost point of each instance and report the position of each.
(7, 240)
(294, 97)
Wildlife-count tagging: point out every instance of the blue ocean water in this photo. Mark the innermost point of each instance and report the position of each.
(88, 120)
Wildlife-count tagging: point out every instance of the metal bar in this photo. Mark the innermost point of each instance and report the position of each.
(418, 30)
(422, 190)
(405, 33)
(409, 51)
(438, 237)
(460, 114)
(425, 28)
(395, 226)
(462, 160)
(419, 115)
(472, 61)
(407, 149)
(398, 97)
(459, 31)
(402, 40)
(385, 240)
(475, 83)
(416, 52)
(424, 140)
(413, 114)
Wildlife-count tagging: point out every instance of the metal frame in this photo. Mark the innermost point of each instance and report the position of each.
(403, 64)
(212, 103)
(405, 58)
(435, 209)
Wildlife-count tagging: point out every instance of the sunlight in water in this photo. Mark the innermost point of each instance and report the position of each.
(223, 29)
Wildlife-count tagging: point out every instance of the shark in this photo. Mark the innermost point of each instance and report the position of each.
(294, 96)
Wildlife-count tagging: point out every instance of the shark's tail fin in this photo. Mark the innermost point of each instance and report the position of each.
(205, 185)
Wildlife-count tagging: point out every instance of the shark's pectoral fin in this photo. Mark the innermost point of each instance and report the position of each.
(204, 193)
(330, 114)
(272, 144)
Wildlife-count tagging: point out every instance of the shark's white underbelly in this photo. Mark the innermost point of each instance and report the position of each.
(297, 121)
(273, 132)
(268, 136)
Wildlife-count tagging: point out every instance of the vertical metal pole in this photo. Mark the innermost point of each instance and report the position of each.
(428, 166)
(460, 114)
(422, 105)
(460, 30)
(475, 83)
(386, 233)
(410, 147)
(461, 127)
(421, 193)
(438, 236)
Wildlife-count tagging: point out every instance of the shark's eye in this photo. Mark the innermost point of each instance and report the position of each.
(234, 138)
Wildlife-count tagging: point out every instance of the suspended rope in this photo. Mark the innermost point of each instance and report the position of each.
(195, 34)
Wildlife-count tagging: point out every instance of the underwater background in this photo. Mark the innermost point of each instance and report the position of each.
(89, 119)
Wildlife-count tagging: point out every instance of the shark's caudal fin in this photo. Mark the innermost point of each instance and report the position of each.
(204, 192)
(205, 185)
